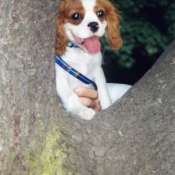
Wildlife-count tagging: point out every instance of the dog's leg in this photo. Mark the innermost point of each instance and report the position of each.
(71, 101)
(104, 96)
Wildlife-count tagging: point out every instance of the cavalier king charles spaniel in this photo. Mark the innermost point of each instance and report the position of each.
(80, 25)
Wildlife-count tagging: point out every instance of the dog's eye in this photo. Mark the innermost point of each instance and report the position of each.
(100, 14)
(76, 16)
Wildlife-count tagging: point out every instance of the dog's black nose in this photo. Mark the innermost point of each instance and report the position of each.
(93, 26)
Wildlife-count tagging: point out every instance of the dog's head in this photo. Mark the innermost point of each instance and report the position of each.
(84, 21)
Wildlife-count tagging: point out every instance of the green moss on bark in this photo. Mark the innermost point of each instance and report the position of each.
(50, 161)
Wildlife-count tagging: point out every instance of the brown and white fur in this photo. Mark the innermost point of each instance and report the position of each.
(83, 22)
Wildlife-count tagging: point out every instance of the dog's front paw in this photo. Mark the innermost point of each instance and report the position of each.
(85, 113)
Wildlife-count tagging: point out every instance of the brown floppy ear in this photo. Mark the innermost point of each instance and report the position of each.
(113, 27)
(61, 39)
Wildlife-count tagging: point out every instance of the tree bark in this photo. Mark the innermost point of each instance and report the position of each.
(135, 136)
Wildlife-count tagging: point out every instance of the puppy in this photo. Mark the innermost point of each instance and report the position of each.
(80, 25)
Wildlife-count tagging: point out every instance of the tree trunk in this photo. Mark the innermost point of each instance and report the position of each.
(135, 136)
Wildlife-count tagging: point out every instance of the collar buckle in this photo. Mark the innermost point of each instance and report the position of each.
(71, 45)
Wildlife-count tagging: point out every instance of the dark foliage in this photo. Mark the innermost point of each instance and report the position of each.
(147, 28)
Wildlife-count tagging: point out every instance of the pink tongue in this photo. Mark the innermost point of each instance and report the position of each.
(92, 45)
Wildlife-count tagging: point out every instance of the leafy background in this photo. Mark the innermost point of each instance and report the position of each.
(148, 27)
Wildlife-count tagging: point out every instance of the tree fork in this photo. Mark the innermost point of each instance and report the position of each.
(134, 136)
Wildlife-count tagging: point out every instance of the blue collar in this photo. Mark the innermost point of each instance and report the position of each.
(73, 72)
(71, 44)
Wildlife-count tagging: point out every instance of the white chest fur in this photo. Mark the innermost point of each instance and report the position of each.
(81, 61)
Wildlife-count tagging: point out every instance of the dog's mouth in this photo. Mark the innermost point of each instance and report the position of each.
(92, 44)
